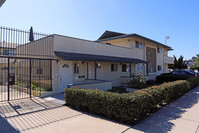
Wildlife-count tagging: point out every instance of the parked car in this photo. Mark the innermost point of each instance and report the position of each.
(187, 73)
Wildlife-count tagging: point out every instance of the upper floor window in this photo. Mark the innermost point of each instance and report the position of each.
(8, 52)
(114, 67)
(76, 68)
(138, 44)
(160, 50)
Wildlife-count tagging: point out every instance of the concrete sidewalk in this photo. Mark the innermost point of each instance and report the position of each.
(49, 115)
(181, 116)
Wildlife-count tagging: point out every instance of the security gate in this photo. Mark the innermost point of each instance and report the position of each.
(24, 77)
(25, 63)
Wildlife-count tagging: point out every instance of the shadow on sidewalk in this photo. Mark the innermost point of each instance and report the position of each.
(27, 114)
(6, 127)
(160, 122)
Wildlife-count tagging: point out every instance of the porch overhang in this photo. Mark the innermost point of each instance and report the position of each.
(92, 57)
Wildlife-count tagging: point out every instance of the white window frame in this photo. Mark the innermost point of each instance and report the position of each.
(138, 45)
(76, 68)
(115, 67)
(159, 50)
(139, 67)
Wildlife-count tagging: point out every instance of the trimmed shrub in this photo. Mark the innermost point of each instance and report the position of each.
(169, 78)
(127, 107)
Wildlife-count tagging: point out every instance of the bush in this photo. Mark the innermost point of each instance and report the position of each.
(118, 90)
(169, 78)
(137, 81)
(127, 107)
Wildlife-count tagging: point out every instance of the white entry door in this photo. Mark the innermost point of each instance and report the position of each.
(65, 74)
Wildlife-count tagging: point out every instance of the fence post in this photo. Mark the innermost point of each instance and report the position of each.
(30, 77)
(8, 79)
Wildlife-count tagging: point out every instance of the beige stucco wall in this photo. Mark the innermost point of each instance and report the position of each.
(166, 68)
(55, 77)
(141, 53)
(100, 86)
(103, 73)
(42, 48)
(73, 45)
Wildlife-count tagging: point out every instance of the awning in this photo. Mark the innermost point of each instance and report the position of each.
(92, 57)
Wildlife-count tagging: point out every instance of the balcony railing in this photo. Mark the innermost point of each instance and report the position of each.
(168, 60)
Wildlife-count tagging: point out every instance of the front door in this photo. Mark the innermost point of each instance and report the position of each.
(65, 72)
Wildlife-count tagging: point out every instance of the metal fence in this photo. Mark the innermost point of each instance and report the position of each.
(25, 64)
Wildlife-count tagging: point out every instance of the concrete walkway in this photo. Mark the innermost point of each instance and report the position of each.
(49, 115)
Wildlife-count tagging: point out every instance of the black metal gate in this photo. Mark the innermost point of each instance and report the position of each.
(24, 77)
(25, 64)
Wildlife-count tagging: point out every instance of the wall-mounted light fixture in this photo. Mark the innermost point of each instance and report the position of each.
(57, 61)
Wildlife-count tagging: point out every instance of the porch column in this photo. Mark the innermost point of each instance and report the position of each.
(147, 72)
(87, 70)
(95, 67)
(130, 69)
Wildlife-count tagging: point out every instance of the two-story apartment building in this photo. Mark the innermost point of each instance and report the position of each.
(101, 64)
(155, 53)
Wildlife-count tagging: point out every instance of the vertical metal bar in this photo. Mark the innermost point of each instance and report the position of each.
(8, 79)
(130, 69)
(51, 75)
(30, 76)
(95, 66)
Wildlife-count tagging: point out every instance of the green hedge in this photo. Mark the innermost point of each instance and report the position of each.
(127, 107)
(169, 78)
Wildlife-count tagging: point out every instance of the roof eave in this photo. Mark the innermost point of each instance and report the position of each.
(134, 35)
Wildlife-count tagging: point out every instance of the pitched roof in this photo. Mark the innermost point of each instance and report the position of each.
(110, 35)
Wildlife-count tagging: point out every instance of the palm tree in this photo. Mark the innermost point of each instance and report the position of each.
(179, 63)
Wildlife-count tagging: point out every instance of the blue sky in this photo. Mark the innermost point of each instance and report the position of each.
(88, 19)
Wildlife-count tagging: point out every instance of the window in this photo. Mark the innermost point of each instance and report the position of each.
(138, 44)
(159, 68)
(160, 50)
(76, 68)
(125, 67)
(8, 52)
(114, 67)
(139, 67)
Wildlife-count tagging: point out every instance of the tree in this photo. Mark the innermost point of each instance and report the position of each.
(179, 63)
(196, 62)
